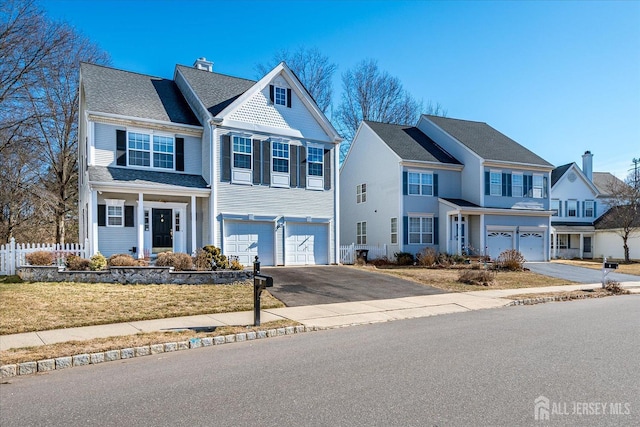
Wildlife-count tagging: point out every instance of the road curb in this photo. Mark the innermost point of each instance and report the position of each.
(48, 365)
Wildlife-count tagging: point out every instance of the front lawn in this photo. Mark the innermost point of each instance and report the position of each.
(632, 268)
(447, 279)
(26, 307)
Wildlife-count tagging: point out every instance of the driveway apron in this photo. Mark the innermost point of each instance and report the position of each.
(577, 274)
(300, 286)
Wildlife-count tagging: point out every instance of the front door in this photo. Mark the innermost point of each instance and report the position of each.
(587, 247)
(162, 226)
(459, 231)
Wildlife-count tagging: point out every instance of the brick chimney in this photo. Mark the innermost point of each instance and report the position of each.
(203, 64)
(587, 165)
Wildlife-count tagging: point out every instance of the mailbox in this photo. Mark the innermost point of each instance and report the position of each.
(611, 265)
(260, 282)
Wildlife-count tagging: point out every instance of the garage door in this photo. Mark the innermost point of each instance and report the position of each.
(532, 246)
(498, 242)
(306, 244)
(246, 239)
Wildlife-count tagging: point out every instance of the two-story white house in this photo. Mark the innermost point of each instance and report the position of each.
(458, 186)
(206, 158)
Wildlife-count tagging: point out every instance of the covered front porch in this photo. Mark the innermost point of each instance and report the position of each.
(572, 240)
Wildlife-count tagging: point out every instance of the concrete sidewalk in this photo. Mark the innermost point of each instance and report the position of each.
(322, 315)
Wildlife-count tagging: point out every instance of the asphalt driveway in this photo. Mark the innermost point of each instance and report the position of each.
(577, 274)
(300, 286)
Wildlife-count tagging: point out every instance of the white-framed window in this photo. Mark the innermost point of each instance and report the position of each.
(572, 208)
(538, 186)
(563, 241)
(420, 183)
(176, 221)
(146, 220)
(589, 211)
(279, 95)
(114, 212)
(315, 160)
(555, 207)
(361, 233)
(516, 185)
(142, 150)
(394, 231)
(361, 193)
(241, 152)
(421, 230)
(280, 157)
(495, 178)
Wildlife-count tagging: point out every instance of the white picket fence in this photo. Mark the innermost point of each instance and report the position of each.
(348, 253)
(12, 255)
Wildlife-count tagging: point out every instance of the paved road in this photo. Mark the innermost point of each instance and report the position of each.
(577, 274)
(301, 286)
(467, 369)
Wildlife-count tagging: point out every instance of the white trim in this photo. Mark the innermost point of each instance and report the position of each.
(118, 119)
(165, 190)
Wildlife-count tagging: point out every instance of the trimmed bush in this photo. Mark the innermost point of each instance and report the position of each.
(77, 263)
(179, 261)
(235, 264)
(404, 258)
(218, 260)
(97, 262)
(121, 260)
(511, 260)
(202, 260)
(40, 258)
(476, 277)
(427, 257)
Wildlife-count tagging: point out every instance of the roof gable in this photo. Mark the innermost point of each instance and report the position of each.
(564, 170)
(487, 142)
(124, 93)
(410, 143)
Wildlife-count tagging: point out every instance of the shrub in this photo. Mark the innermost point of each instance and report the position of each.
(427, 257)
(77, 263)
(615, 288)
(218, 260)
(97, 262)
(379, 262)
(40, 258)
(511, 260)
(404, 258)
(202, 260)
(444, 260)
(179, 261)
(235, 264)
(121, 260)
(476, 277)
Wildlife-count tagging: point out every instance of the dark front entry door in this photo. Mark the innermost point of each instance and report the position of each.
(162, 228)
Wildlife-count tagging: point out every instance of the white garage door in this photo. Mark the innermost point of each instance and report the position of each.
(498, 242)
(246, 239)
(306, 244)
(532, 246)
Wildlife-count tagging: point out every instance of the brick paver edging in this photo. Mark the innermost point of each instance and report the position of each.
(28, 368)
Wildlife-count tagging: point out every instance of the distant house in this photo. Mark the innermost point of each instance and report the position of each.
(206, 158)
(456, 186)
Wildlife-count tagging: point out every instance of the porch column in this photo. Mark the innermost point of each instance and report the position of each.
(448, 232)
(459, 227)
(140, 225)
(193, 225)
(581, 245)
(482, 236)
(93, 223)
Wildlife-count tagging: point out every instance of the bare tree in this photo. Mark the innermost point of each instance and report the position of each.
(314, 70)
(623, 217)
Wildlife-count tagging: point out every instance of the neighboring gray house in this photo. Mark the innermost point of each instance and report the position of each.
(206, 158)
(455, 185)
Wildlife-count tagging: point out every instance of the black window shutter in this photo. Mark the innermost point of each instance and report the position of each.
(289, 98)
(504, 184)
(559, 208)
(180, 154)
(435, 185)
(293, 166)
(327, 169)
(487, 183)
(594, 210)
(102, 215)
(405, 183)
(566, 208)
(271, 93)
(578, 209)
(266, 163)
(121, 147)
(508, 179)
(303, 168)
(226, 158)
(257, 177)
(128, 216)
(436, 240)
(405, 230)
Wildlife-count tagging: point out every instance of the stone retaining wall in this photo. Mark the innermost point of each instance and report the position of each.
(133, 275)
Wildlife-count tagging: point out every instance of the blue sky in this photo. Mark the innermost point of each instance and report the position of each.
(558, 77)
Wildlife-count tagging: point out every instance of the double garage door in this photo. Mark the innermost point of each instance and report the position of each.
(531, 244)
(304, 243)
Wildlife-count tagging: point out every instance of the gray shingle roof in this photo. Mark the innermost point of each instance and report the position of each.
(149, 178)
(617, 216)
(487, 142)
(109, 90)
(462, 203)
(410, 143)
(557, 173)
(216, 91)
(603, 182)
